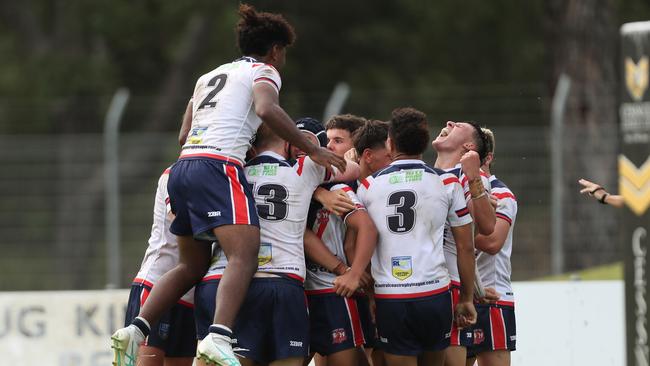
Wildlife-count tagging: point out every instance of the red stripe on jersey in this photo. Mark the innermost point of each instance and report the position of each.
(167, 171)
(413, 295)
(138, 281)
(269, 80)
(239, 199)
(328, 176)
(301, 164)
(504, 195)
(506, 303)
(322, 225)
(167, 200)
(355, 322)
(346, 189)
(451, 180)
(504, 217)
(365, 183)
(498, 329)
(455, 283)
(185, 303)
(225, 159)
(462, 212)
(212, 277)
(484, 174)
(295, 277)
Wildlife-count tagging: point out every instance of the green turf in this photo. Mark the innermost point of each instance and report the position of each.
(612, 271)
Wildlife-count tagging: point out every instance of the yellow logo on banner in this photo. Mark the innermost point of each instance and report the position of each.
(402, 267)
(265, 254)
(636, 77)
(634, 184)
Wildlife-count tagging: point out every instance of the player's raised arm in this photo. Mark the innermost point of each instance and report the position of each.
(480, 205)
(265, 98)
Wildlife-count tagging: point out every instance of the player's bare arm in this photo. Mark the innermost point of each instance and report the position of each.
(265, 98)
(366, 241)
(465, 312)
(480, 206)
(186, 124)
(600, 194)
(336, 201)
(316, 251)
(493, 243)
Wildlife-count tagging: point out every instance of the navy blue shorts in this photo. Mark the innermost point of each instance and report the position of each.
(174, 333)
(207, 193)
(459, 336)
(409, 327)
(335, 323)
(495, 329)
(367, 322)
(272, 324)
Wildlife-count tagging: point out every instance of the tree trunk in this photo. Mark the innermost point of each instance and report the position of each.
(582, 43)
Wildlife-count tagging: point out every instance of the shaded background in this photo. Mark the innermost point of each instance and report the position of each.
(495, 62)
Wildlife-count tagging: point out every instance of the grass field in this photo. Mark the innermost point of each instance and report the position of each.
(612, 271)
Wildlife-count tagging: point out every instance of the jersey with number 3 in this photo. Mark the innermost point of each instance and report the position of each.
(282, 194)
(409, 203)
(223, 113)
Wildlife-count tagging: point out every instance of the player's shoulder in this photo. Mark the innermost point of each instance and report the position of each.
(267, 166)
(500, 190)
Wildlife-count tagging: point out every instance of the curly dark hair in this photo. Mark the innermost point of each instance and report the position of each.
(408, 130)
(370, 136)
(257, 32)
(348, 122)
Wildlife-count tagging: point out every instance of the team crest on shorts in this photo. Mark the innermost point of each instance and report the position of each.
(479, 336)
(265, 255)
(338, 336)
(402, 267)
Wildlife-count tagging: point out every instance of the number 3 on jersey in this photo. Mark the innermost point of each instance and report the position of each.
(404, 218)
(274, 207)
(218, 82)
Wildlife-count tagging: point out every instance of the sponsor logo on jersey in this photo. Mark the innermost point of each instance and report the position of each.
(402, 267)
(267, 170)
(479, 336)
(338, 336)
(265, 254)
(196, 135)
(405, 176)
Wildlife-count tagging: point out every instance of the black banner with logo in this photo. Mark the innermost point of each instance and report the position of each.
(634, 184)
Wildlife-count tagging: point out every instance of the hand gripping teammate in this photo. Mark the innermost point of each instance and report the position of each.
(208, 190)
(410, 203)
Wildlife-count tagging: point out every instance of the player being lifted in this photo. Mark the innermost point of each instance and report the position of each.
(335, 317)
(172, 341)
(208, 190)
(495, 329)
(410, 203)
(461, 146)
(273, 326)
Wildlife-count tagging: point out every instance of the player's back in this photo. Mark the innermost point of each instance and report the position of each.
(409, 203)
(223, 112)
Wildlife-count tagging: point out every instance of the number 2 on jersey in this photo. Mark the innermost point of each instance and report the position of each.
(404, 218)
(218, 82)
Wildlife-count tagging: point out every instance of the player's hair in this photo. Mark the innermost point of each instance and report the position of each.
(370, 136)
(408, 130)
(265, 137)
(257, 31)
(480, 140)
(490, 142)
(348, 122)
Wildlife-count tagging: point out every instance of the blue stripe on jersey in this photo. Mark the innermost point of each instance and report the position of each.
(265, 159)
(398, 167)
(496, 183)
(247, 59)
(454, 171)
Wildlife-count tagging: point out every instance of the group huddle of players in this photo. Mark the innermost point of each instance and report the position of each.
(276, 240)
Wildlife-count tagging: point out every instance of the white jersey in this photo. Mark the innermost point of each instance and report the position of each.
(495, 269)
(330, 228)
(223, 115)
(162, 253)
(282, 194)
(450, 242)
(409, 203)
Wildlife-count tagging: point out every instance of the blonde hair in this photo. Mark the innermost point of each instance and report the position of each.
(490, 139)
